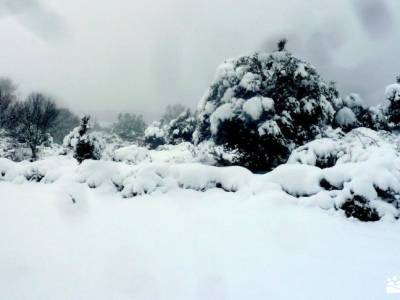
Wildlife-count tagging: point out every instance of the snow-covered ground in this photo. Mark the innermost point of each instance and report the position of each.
(160, 225)
(186, 245)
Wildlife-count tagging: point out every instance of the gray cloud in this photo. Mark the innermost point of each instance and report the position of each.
(36, 18)
(375, 17)
(138, 57)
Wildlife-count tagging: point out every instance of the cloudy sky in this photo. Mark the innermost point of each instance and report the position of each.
(106, 56)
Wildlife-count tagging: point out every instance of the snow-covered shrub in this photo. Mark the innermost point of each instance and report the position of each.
(392, 95)
(85, 145)
(263, 106)
(181, 153)
(181, 129)
(154, 135)
(355, 146)
(376, 117)
(346, 119)
(131, 154)
(354, 113)
(351, 113)
(360, 208)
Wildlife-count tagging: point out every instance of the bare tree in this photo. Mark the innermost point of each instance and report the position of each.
(7, 96)
(29, 121)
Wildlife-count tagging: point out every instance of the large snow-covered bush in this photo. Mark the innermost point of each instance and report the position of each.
(263, 106)
(362, 168)
(85, 145)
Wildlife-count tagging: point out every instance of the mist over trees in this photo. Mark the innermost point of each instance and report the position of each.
(7, 96)
(259, 107)
(33, 121)
(172, 112)
(63, 124)
(129, 127)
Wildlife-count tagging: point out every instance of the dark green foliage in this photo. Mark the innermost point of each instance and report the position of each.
(154, 135)
(303, 105)
(255, 151)
(181, 129)
(282, 44)
(358, 207)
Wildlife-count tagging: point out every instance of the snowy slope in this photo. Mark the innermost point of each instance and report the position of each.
(185, 245)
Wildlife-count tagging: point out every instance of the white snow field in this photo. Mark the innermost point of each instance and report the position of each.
(186, 244)
(160, 225)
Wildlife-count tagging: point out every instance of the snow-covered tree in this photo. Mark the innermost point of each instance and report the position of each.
(264, 105)
(129, 127)
(392, 95)
(154, 135)
(181, 129)
(85, 145)
(350, 112)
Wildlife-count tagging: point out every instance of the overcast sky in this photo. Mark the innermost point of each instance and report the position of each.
(107, 56)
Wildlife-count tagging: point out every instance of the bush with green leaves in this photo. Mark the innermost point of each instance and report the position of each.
(84, 144)
(264, 105)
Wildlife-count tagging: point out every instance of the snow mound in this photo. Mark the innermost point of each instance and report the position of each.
(357, 174)
(133, 155)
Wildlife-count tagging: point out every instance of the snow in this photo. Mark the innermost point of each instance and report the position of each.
(392, 92)
(301, 71)
(268, 104)
(155, 129)
(158, 224)
(253, 107)
(131, 154)
(269, 127)
(222, 113)
(251, 82)
(181, 153)
(345, 117)
(354, 100)
(185, 245)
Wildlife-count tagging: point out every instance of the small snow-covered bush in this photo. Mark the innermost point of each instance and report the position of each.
(360, 208)
(181, 129)
(392, 95)
(85, 145)
(263, 106)
(177, 131)
(154, 135)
